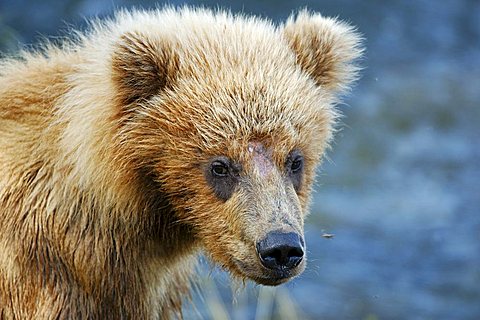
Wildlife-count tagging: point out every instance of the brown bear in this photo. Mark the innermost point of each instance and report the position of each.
(130, 148)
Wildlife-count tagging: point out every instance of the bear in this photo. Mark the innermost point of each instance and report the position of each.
(128, 148)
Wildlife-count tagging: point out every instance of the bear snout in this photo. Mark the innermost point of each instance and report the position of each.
(281, 251)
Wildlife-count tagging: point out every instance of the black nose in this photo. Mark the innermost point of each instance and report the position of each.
(280, 250)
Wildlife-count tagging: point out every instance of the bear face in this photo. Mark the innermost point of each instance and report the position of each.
(231, 117)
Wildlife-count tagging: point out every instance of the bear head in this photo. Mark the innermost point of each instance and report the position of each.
(230, 116)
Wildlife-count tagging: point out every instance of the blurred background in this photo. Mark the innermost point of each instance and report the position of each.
(401, 189)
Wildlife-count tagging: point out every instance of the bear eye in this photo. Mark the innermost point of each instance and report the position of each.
(219, 169)
(294, 168)
(222, 175)
(297, 164)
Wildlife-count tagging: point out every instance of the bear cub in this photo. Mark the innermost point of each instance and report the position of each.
(131, 147)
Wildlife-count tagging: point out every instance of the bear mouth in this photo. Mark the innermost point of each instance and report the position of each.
(267, 277)
(273, 280)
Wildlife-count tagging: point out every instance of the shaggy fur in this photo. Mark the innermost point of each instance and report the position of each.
(106, 141)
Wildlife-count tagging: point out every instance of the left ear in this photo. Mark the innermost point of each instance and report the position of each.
(142, 67)
(326, 49)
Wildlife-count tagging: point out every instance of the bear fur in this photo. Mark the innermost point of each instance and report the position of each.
(106, 148)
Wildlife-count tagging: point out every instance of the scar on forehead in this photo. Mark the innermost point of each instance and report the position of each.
(261, 158)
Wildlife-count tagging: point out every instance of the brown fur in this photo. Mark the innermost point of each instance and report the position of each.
(104, 145)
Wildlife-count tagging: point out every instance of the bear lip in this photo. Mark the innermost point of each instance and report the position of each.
(267, 277)
(271, 281)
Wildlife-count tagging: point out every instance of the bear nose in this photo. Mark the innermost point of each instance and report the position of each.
(280, 250)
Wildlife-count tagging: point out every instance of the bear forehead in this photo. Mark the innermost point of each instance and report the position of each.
(281, 108)
(245, 96)
(218, 115)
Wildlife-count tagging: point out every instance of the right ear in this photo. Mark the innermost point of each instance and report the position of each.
(326, 49)
(142, 67)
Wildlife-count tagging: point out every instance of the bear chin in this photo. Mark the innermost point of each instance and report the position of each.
(264, 276)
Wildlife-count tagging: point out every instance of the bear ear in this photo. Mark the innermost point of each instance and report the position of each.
(326, 49)
(142, 67)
